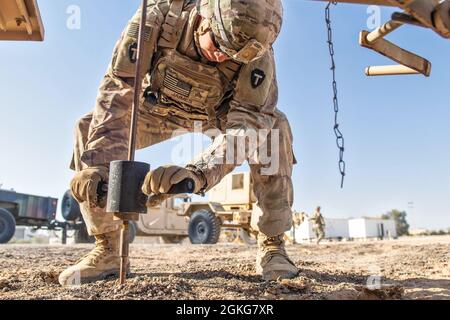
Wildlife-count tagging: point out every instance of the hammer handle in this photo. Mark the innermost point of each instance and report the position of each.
(185, 186)
(102, 189)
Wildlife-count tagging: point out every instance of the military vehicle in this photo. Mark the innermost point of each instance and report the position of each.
(229, 208)
(18, 209)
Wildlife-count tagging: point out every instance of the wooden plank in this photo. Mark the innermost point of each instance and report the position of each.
(20, 20)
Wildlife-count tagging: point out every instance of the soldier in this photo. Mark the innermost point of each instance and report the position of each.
(299, 218)
(319, 225)
(210, 61)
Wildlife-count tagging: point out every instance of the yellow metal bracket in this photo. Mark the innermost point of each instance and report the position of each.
(409, 63)
(432, 14)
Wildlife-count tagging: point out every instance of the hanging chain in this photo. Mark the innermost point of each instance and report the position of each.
(337, 131)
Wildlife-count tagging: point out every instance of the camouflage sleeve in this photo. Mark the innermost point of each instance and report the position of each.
(249, 121)
(109, 129)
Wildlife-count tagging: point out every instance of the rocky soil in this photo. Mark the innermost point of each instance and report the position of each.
(413, 268)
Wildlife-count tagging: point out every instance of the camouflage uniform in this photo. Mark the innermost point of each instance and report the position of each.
(249, 103)
(299, 218)
(318, 225)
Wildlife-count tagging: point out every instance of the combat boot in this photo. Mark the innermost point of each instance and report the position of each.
(272, 261)
(101, 262)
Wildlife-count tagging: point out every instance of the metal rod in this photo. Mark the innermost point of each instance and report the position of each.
(389, 70)
(406, 19)
(124, 239)
(383, 31)
(124, 247)
(137, 83)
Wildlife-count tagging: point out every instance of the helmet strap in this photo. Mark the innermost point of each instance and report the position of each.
(204, 27)
(220, 26)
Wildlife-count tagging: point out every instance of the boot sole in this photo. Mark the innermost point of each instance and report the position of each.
(275, 275)
(103, 276)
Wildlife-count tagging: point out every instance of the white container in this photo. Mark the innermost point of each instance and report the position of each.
(334, 229)
(303, 232)
(366, 228)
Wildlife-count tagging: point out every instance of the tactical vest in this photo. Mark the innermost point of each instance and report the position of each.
(179, 85)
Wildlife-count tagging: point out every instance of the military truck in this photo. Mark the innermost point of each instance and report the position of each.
(19, 209)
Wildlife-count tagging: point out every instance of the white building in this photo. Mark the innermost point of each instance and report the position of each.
(334, 229)
(364, 228)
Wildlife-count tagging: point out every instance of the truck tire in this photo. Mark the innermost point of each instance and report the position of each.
(7, 226)
(204, 227)
(172, 239)
(247, 237)
(82, 236)
(70, 209)
(132, 231)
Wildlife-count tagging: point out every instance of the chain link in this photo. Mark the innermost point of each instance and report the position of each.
(337, 131)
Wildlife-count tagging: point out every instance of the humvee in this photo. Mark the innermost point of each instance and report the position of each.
(229, 208)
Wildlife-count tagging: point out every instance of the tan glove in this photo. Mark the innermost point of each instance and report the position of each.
(85, 185)
(161, 180)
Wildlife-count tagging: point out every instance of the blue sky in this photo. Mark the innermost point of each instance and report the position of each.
(396, 128)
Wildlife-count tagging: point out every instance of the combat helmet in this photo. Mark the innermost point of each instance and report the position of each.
(243, 29)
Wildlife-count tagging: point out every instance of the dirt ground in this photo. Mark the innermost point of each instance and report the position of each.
(413, 268)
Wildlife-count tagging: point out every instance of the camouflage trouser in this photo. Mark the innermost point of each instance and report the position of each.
(320, 233)
(111, 118)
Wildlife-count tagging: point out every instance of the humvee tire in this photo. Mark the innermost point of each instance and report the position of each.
(172, 239)
(7, 226)
(132, 231)
(70, 209)
(204, 227)
(247, 237)
(82, 236)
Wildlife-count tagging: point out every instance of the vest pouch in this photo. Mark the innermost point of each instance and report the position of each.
(184, 81)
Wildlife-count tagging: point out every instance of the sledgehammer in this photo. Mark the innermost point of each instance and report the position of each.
(125, 199)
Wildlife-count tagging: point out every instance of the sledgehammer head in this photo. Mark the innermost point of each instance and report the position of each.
(124, 190)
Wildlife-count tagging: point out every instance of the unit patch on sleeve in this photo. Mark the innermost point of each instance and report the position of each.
(257, 78)
(133, 52)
